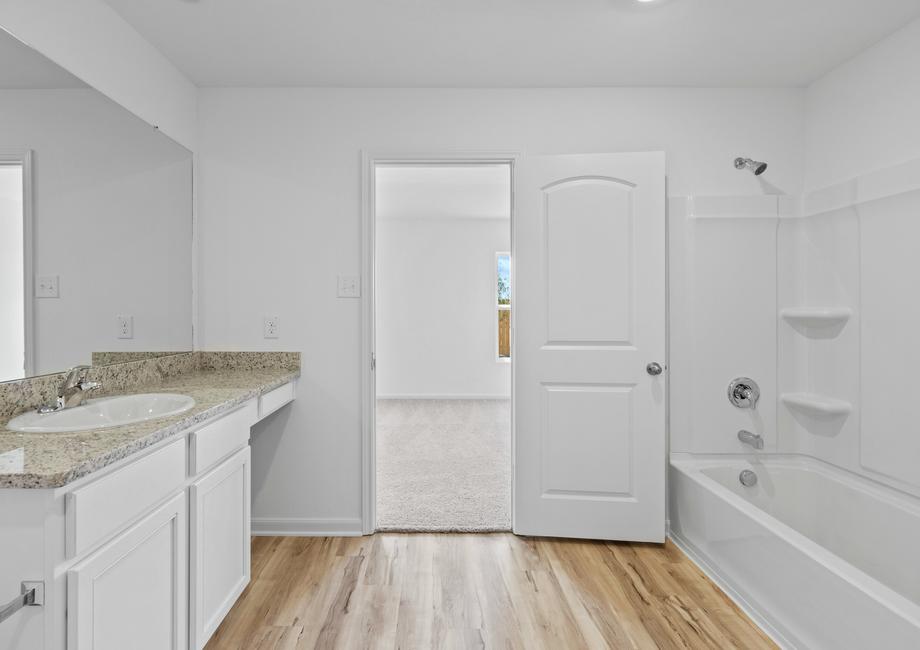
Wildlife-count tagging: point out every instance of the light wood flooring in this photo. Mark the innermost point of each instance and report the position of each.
(424, 591)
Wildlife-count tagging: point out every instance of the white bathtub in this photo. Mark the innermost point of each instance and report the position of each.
(820, 557)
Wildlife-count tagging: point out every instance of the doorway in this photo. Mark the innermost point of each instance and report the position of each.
(587, 339)
(443, 346)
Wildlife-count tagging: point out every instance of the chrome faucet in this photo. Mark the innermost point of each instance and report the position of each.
(72, 390)
(755, 440)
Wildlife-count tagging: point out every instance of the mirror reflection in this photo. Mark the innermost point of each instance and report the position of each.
(95, 225)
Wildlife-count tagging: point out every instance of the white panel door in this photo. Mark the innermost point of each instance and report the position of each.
(219, 545)
(132, 592)
(589, 312)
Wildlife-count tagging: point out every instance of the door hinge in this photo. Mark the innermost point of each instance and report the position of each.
(373, 361)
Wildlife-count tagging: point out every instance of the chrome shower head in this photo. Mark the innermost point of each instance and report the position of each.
(757, 167)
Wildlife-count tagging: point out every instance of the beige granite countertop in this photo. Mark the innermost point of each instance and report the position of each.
(50, 460)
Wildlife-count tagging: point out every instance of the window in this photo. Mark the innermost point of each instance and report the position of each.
(503, 305)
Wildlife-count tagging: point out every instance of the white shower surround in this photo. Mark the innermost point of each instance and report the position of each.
(830, 568)
(807, 296)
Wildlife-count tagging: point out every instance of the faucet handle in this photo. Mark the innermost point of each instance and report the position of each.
(744, 393)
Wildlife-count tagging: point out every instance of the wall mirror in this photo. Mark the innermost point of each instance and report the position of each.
(95, 225)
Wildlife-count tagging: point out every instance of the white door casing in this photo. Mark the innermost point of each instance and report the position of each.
(590, 314)
(370, 161)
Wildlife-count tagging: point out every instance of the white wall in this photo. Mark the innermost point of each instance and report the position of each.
(89, 39)
(12, 314)
(279, 214)
(862, 116)
(112, 217)
(436, 316)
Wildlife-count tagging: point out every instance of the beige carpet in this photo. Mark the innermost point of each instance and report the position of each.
(444, 465)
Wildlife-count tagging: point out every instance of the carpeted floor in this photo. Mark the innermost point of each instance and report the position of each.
(444, 465)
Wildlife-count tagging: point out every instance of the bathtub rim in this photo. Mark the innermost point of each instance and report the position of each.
(691, 465)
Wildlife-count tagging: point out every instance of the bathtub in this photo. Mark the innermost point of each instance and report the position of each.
(819, 557)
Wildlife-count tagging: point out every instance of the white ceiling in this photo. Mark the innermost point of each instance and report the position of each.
(24, 68)
(443, 192)
(512, 43)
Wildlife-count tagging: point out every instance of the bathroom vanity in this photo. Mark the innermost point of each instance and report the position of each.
(137, 535)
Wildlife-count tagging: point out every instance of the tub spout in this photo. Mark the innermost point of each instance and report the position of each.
(755, 440)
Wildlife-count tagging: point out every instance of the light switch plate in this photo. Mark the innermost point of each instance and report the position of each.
(46, 286)
(124, 325)
(271, 326)
(349, 286)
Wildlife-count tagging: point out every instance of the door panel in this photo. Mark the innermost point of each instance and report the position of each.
(587, 439)
(589, 315)
(589, 297)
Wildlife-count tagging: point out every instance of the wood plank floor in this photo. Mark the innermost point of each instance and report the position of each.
(426, 591)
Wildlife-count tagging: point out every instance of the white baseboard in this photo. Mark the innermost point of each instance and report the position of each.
(306, 527)
(444, 396)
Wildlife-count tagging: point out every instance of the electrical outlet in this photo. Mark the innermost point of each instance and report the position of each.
(46, 286)
(270, 327)
(124, 326)
(349, 286)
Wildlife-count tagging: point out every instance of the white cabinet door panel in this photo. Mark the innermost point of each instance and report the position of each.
(132, 592)
(220, 539)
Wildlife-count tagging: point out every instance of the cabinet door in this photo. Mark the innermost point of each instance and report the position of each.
(132, 592)
(219, 544)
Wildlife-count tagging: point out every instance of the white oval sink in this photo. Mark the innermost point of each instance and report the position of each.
(103, 413)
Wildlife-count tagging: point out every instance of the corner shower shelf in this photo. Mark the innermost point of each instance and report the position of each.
(808, 317)
(816, 404)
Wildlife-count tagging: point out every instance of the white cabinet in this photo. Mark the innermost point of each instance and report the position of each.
(132, 592)
(149, 554)
(219, 544)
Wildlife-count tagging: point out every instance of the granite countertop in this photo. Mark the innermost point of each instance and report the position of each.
(51, 460)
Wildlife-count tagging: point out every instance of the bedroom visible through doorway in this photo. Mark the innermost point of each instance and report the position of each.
(443, 307)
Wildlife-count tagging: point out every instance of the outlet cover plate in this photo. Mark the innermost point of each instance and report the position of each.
(271, 327)
(124, 326)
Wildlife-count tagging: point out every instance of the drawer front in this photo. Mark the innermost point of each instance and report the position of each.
(99, 509)
(222, 437)
(275, 399)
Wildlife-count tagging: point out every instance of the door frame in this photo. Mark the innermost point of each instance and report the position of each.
(24, 159)
(369, 162)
